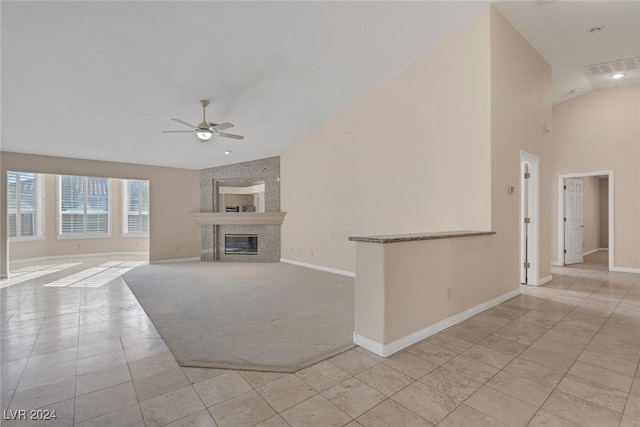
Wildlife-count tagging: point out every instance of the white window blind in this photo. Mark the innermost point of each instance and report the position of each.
(135, 207)
(25, 205)
(83, 206)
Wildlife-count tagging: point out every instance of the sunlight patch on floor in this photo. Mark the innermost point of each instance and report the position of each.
(33, 272)
(95, 277)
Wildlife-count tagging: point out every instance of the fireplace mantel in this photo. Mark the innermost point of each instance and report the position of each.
(238, 218)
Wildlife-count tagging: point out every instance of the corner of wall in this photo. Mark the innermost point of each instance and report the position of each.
(520, 108)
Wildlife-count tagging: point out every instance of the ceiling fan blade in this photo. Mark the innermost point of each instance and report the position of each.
(230, 135)
(184, 123)
(222, 126)
(176, 131)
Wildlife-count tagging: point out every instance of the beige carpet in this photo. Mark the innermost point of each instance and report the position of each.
(262, 316)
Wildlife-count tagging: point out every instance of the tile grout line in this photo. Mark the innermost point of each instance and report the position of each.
(33, 293)
(25, 365)
(506, 325)
(75, 385)
(563, 376)
(567, 372)
(445, 368)
(493, 376)
(131, 376)
(624, 408)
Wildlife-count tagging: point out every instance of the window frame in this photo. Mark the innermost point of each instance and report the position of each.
(126, 212)
(85, 234)
(38, 211)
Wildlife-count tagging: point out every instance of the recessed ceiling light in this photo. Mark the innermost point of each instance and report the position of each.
(617, 75)
(227, 152)
(595, 29)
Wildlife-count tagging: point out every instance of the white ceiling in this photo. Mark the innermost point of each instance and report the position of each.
(100, 80)
(558, 31)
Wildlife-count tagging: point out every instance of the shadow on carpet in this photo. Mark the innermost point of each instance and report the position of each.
(255, 316)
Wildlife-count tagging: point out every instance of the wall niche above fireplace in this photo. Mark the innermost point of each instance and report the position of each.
(241, 196)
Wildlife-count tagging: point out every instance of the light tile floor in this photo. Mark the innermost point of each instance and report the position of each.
(562, 354)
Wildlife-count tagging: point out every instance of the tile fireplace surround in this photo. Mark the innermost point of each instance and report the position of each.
(268, 234)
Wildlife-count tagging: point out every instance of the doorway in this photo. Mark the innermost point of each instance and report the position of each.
(585, 217)
(529, 228)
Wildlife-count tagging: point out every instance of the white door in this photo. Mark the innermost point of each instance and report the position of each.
(573, 225)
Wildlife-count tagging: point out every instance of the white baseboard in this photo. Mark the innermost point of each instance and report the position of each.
(94, 255)
(590, 252)
(544, 280)
(385, 350)
(163, 261)
(603, 249)
(626, 269)
(370, 345)
(557, 264)
(319, 267)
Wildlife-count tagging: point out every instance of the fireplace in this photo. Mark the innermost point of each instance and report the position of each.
(241, 244)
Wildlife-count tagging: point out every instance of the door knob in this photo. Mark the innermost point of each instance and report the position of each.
(582, 226)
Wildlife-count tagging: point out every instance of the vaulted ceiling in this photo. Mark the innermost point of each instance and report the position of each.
(572, 35)
(100, 80)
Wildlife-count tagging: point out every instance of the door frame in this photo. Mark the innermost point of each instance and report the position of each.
(561, 177)
(533, 241)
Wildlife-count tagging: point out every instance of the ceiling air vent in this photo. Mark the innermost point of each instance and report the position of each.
(613, 66)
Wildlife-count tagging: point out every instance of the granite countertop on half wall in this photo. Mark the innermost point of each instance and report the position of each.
(399, 238)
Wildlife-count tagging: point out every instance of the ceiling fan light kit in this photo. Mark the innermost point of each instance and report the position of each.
(206, 130)
(204, 135)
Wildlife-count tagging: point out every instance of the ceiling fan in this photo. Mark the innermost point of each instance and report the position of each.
(205, 130)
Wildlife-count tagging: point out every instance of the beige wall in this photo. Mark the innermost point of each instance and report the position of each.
(174, 193)
(591, 213)
(434, 148)
(403, 288)
(53, 246)
(418, 274)
(600, 130)
(421, 301)
(411, 156)
(603, 215)
(370, 303)
(520, 107)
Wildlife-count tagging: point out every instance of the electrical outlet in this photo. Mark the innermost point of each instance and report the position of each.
(448, 293)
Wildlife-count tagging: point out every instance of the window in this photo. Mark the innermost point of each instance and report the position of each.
(25, 207)
(135, 207)
(83, 206)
